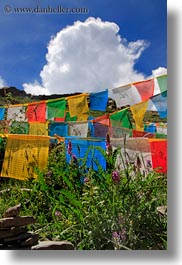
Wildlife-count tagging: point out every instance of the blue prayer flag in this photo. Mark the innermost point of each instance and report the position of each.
(98, 101)
(2, 110)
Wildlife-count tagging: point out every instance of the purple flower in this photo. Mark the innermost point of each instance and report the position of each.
(149, 163)
(84, 180)
(69, 148)
(122, 234)
(116, 177)
(75, 159)
(58, 214)
(119, 237)
(115, 236)
(49, 173)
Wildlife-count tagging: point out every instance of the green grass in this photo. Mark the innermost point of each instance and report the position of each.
(98, 214)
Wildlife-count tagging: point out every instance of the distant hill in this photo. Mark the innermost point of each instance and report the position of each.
(18, 94)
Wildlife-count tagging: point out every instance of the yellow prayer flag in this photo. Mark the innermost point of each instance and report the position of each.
(138, 112)
(78, 105)
(25, 153)
(82, 117)
(38, 128)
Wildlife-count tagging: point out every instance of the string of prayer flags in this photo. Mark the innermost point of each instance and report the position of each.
(145, 88)
(160, 102)
(138, 112)
(58, 128)
(162, 81)
(36, 112)
(78, 129)
(158, 149)
(38, 128)
(98, 101)
(56, 109)
(121, 119)
(78, 104)
(126, 95)
(16, 113)
(23, 155)
(2, 111)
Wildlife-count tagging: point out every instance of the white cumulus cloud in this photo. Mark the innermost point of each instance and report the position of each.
(2, 82)
(159, 71)
(88, 56)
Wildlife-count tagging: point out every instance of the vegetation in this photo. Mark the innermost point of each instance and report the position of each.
(95, 210)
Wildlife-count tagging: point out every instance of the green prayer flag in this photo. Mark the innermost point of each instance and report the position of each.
(162, 81)
(68, 118)
(121, 119)
(56, 109)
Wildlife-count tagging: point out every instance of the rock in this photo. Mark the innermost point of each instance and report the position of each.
(16, 221)
(18, 238)
(12, 211)
(32, 240)
(53, 245)
(12, 232)
(162, 210)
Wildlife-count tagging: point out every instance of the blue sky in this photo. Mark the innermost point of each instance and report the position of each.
(25, 37)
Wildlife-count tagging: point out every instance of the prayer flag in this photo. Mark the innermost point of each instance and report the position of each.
(58, 128)
(56, 109)
(89, 149)
(138, 112)
(36, 112)
(98, 101)
(162, 81)
(2, 111)
(78, 104)
(16, 113)
(78, 129)
(126, 95)
(160, 102)
(121, 119)
(25, 153)
(38, 128)
(145, 88)
(159, 154)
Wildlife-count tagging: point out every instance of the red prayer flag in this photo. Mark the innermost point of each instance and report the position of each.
(158, 149)
(136, 133)
(36, 112)
(145, 88)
